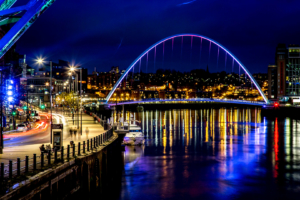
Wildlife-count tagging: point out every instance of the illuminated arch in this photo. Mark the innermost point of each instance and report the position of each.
(182, 35)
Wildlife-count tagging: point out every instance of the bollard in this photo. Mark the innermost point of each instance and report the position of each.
(68, 152)
(73, 150)
(94, 142)
(78, 148)
(10, 169)
(34, 161)
(88, 145)
(2, 171)
(55, 155)
(26, 164)
(42, 159)
(62, 154)
(83, 147)
(101, 138)
(18, 166)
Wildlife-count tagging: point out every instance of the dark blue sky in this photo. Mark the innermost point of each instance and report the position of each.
(107, 33)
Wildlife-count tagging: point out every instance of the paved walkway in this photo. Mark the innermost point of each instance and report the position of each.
(20, 151)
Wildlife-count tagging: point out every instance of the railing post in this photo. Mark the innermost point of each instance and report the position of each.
(73, 150)
(55, 155)
(34, 161)
(26, 164)
(62, 153)
(10, 169)
(92, 144)
(101, 138)
(49, 158)
(2, 171)
(88, 145)
(42, 159)
(78, 149)
(18, 166)
(83, 147)
(68, 152)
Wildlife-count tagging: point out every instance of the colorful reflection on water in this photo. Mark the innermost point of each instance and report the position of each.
(225, 153)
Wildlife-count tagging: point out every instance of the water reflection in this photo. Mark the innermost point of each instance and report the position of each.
(213, 153)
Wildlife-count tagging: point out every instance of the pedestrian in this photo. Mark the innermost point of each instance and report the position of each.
(42, 148)
(71, 133)
(87, 132)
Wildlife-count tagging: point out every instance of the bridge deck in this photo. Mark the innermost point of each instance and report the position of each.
(195, 100)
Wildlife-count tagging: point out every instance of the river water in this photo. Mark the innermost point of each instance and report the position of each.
(225, 153)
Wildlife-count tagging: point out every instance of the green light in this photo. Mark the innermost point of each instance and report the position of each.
(32, 114)
(25, 107)
(42, 106)
(14, 113)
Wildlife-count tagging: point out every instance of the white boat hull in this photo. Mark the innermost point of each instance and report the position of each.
(134, 141)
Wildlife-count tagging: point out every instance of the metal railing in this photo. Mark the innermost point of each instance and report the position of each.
(47, 159)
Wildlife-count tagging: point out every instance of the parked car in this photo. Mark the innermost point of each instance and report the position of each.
(22, 127)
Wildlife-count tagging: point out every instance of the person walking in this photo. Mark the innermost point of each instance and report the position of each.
(87, 132)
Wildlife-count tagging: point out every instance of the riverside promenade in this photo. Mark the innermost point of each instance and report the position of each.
(17, 149)
(87, 166)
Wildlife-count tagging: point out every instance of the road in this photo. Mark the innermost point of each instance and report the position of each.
(21, 144)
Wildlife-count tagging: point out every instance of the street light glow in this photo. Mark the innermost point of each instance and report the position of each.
(40, 60)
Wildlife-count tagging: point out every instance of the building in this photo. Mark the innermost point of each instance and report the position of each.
(284, 76)
(37, 83)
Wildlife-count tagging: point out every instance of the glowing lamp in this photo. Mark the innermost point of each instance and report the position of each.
(9, 87)
(9, 93)
(10, 99)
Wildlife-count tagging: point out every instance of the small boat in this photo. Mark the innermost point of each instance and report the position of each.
(134, 136)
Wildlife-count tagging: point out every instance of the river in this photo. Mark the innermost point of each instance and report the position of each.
(214, 153)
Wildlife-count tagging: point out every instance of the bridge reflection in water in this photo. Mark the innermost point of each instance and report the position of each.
(214, 154)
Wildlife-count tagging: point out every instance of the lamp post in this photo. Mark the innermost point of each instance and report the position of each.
(41, 61)
(72, 69)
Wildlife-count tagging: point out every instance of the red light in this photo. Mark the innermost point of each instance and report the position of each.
(276, 104)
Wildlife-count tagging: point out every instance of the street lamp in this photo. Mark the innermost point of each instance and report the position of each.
(41, 61)
(73, 69)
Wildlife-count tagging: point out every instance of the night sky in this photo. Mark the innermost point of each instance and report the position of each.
(105, 33)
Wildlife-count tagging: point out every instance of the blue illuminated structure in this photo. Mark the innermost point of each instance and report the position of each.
(10, 90)
(21, 16)
(185, 35)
